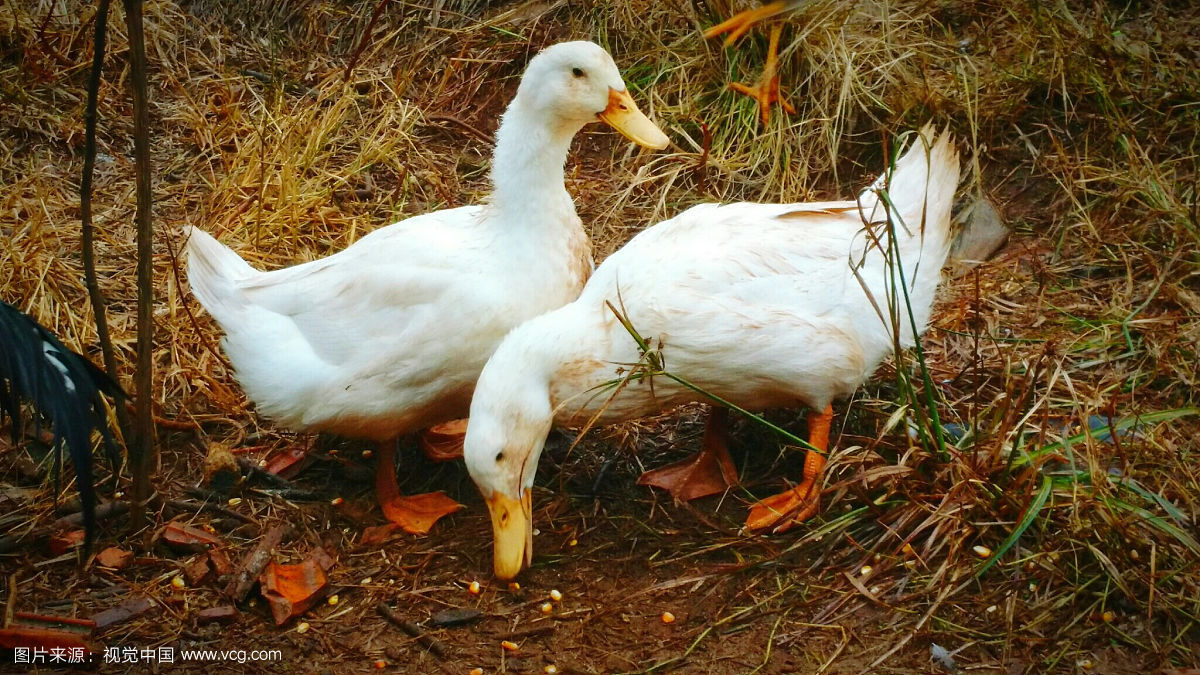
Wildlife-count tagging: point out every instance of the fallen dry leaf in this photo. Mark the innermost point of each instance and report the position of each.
(130, 609)
(185, 537)
(197, 571)
(61, 542)
(373, 536)
(288, 463)
(220, 562)
(292, 589)
(444, 442)
(455, 616)
(114, 557)
(222, 614)
(415, 514)
(50, 622)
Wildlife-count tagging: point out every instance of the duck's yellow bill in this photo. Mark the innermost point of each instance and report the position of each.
(623, 115)
(512, 527)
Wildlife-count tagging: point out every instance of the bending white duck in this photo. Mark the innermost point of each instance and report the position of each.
(763, 305)
(388, 336)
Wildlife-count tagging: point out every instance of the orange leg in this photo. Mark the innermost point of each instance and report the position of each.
(801, 502)
(415, 514)
(766, 89)
(709, 472)
(739, 23)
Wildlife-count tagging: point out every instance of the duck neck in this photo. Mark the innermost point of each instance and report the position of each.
(527, 165)
(560, 353)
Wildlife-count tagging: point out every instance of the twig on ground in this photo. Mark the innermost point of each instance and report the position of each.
(413, 630)
(252, 565)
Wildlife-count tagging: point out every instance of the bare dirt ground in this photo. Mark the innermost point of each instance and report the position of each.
(1071, 355)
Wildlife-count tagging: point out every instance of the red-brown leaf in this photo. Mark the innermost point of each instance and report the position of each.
(130, 609)
(188, 538)
(444, 442)
(222, 614)
(374, 536)
(288, 463)
(67, 624)
(197, 571)
(220, 562)
(114, 557)
(61, 542)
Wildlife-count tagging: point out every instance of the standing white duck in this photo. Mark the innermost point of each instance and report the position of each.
(763, 305)
(388, 336)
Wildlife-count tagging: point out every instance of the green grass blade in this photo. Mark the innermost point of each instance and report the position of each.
(1134, 486)
(1119, 425)
(1030, 515)
(1158, 523)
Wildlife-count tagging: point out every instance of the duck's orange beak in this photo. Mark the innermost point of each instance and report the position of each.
(512, 527)
(623, 115)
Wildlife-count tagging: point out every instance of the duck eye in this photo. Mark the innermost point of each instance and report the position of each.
(577, 72)
(500, 456)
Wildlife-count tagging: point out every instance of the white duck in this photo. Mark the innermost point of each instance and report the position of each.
(388, 336)
(763, 305)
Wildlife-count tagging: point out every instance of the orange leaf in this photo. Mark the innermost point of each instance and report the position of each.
(292, 589)
(415, 514)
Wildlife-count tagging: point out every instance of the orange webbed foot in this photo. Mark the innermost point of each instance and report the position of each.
(418, 513)
(785, 509)
(415, 514)
(709, 472)
(801, 502)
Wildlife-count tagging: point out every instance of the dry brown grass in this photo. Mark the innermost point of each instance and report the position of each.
(1079, 119)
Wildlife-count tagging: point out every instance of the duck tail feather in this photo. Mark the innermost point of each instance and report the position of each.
(213, 270)
(919, 191)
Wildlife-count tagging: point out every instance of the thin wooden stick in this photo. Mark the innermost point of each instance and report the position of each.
(143, 457)
(362, 41)
(88, 233)
(12, 542)
(429, 642)
(252, 565)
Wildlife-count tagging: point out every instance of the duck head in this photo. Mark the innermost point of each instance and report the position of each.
(573, 83)
(505, 435)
